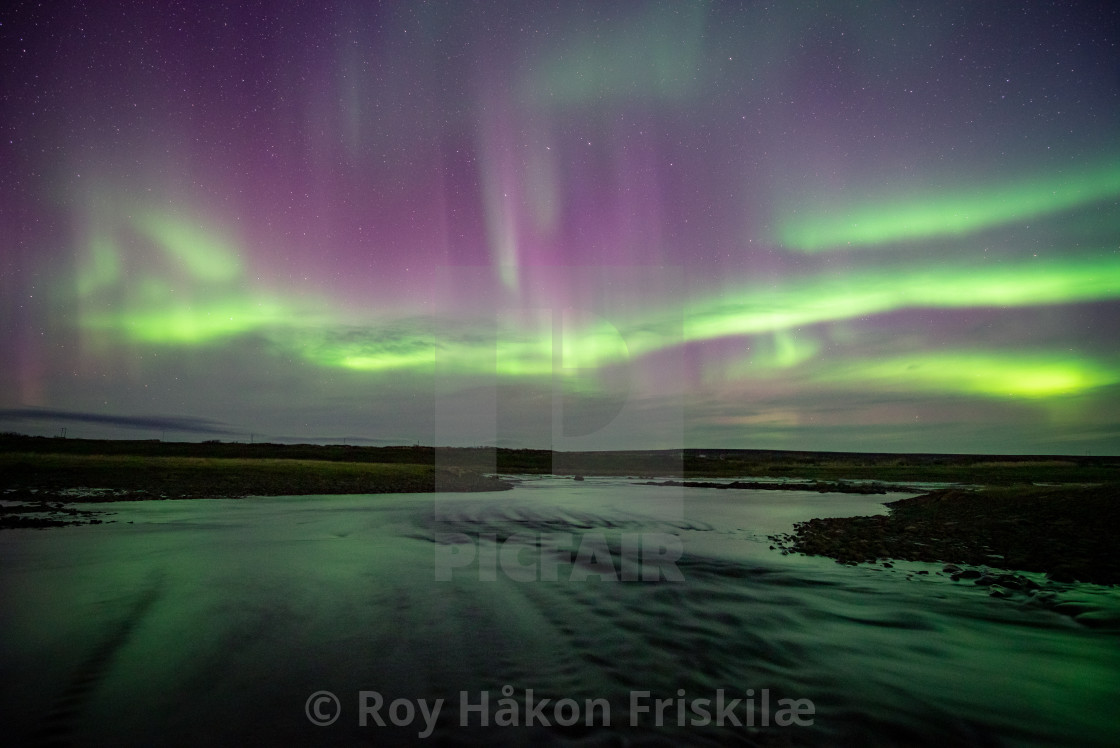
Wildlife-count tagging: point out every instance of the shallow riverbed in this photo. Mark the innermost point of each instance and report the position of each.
(215, 621)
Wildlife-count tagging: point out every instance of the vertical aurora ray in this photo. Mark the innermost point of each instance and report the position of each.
(503, 194)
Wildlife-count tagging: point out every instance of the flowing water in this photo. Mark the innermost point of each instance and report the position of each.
(214, 622)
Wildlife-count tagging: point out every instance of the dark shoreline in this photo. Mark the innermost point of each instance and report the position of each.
(52, 490)
(1068, 532)
(816, 486)
(682, 464)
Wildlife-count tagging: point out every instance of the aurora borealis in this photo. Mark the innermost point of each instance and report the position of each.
(825, 226)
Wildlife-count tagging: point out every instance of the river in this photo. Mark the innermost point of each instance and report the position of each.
(316, 620)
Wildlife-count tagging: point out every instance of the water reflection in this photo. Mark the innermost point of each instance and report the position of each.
(214, 621)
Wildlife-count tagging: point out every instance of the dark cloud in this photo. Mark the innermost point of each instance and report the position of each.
(170, 423)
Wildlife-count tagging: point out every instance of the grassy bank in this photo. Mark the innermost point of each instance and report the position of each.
(678, 463)
(61, 477)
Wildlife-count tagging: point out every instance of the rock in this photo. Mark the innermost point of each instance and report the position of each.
(969, 574)
(951, 569)
(1011, 581)
(985, 581)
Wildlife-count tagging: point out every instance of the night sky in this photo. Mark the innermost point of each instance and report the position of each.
(882, 226)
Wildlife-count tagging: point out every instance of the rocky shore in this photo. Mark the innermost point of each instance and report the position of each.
(818, 486)
(1068, 532)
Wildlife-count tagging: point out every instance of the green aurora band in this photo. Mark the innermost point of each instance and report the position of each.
(211, 303)
(203, 253)
(829, 298)
(884, 222)
(652, 57)
(1011, 375)
(186, 323)
(521, 354)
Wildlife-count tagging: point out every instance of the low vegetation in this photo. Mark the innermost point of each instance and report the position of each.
(679, 463)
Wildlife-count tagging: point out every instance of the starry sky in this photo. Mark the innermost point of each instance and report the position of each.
(878, 226)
